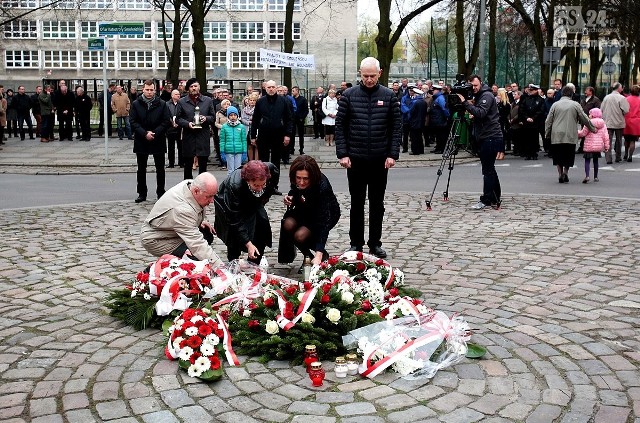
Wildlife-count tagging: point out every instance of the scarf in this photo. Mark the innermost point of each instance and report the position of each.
(148, 101)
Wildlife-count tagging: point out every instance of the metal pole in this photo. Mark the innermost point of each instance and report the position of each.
(482, 18)
(446, 50)
(105, 105)
(430, 48)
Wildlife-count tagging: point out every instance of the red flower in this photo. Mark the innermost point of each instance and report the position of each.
(225, 314)
(326, 288)
(196, 355)
(379, 262)
(325, 299)
(215, 362)
(194, 342)
(183, 343)
(288, 311)
(253, 306)
(174, 274)
(205, 330)
(189, 267)
(332, 261)
(291, 289)
(324, 265)
(253, 324)
(366, 305)
(219, 333)
(205, 280)
(393, 292)
(308, 286)
(359, 255)
(360, 267)
(417, 301)
(384, 312)
(142, 277)
(358, 312)
(269, 302)
(164, 264)
(188, 314)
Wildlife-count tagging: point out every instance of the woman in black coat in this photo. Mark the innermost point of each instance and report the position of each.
(312, 211)
(241, 219)
(150, 119)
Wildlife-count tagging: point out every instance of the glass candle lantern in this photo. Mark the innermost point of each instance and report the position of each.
(341, 367)
(316, 373)
(352, 364)
(196, 118)
(310, 356)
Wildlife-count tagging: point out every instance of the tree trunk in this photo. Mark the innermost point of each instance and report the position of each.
(384, 46)
(199, 48)
(625, 66)
(173, 67)
(466, 67)
(493, 11)
(288, 40)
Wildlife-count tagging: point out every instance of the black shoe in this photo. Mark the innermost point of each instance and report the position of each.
(170, 166)
(565, 178)
(79, 137)
(355, 248)
(160, 195)
(629, 160)
(436, 151)
(609, 162)
(130, 138)
(141, 198)
(618, 160)
(301, 152)
(404, 151)
(378, 251)
(276, 192)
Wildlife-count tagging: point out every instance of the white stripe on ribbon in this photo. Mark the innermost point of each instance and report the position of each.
(226, 345)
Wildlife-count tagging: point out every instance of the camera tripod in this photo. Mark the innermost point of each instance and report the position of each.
(449, 154)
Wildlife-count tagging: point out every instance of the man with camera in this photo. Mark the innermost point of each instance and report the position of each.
(488, 135)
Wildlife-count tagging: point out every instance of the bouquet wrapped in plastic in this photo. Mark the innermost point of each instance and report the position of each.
(415, 346)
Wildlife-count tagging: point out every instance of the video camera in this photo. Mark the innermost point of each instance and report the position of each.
(460, 87)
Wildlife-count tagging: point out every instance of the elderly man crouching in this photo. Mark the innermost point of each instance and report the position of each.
(177, 221)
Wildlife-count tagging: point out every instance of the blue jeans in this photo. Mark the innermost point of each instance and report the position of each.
(234, 161)
(127, 126)
(491, 191)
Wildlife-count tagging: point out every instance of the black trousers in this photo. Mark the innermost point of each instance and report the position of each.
(182, 248)
(188, 164)
(270, 147)
(298, 130)
(406, 128)
(21, 120)
(65, 126)
(440, 133)
(158, 160)
(85, 126)
(109, 124)
(365, 174)
(318, 127)
(417, 146)
(172, 141)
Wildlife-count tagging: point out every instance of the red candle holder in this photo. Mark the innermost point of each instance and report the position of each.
(316, 373)
(310, 356)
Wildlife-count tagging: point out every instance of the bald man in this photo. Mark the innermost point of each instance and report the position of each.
(177, 221)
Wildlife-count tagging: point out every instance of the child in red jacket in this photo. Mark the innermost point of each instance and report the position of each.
(594, 143)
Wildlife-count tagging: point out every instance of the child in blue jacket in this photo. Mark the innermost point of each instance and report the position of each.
(233, 141)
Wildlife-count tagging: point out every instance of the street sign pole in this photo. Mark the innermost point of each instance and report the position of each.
(105, 126)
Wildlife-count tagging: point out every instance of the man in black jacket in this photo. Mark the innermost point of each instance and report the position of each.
(64, 101)
(35, 109)
(82, 109)
(368, 136)
(302, 110)
(486, 127)
(315, 106)
(22, 104)
(150, 118)
(271, 127)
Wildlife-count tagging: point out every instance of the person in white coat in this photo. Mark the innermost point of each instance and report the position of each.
(330, 109)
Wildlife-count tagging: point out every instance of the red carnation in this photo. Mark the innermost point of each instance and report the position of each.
(360, 267)
(359, 255)
(196, 355)
(142, 276)
(291, 289)
(325, 299)
(183, 343)
(384, 312)
(358, 312)
(324, 265)
(326, 288)
(189, 267)
(288, 314)
(253, 306)
(393, 292)
(253, 324)
(269, 302)
(379, 262)
(308, 286)
(366, 305)
(194, 342)
(417, 301)
(215, 362)
(225, 314)
(164, 264)
(205, 330)
(174, 274)
(333, 261)
(205, 280)
(219, 333)
(188, 314)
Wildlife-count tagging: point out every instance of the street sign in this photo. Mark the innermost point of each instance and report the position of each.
(608, 68)
(97, 44)
(120, 28)
(551, 55)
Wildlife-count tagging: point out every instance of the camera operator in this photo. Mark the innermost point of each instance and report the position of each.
(488, 135)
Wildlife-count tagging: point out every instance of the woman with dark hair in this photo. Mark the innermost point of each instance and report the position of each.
(312, 209)
(241, 219)
(631, 130)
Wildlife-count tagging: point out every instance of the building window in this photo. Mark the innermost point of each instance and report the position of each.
(184, 60)
(58, 29)
(22, 4)
(64, 4)
(60, 59)
(96, 4)
(216, 58)
(136, 59)
(163, 62)
(134, 4)
(147, 33)
(215, 30)
(247, 31)
(21, 29)
(169, 31)
(248, 5)
(280, 5)
(218, 5)
(93, 59)
(21, 59)
(89, 29)
(245, 60)
(276, 30)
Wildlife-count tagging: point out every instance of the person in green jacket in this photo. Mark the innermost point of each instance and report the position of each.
(233, 141)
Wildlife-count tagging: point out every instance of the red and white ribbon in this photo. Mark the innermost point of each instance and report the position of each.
(305, 303)
(226, 343)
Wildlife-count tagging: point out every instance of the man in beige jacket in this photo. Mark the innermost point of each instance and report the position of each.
(177, 221)
(614, 107)
(120, 104)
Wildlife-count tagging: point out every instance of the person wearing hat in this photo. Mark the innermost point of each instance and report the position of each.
(233, 140)
(531, 114)
(438, 119)
(196, 140)
(149, 118)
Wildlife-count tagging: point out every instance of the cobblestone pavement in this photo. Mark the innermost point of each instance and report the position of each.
(549, 285)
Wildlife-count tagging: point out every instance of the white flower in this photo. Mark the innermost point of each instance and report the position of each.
(171, 329)
(399, 277)
(300, 296)
(246, 312)
(212, 339)
(207, 349)
(206, 310)
(272, 327)
(202, 363)
(339, 273)
(194, 371)
(333, 314)
(344, 287)
(185, 353)
(134, 293)
(347, 297)
(422, 309)
(267, 294)
(178, 321)
(176, 342)
(196, 318)
(191, 331)
(147, 296)
(308, 318)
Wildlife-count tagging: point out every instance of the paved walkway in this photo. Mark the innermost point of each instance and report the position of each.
(34, 157)
(550, 287)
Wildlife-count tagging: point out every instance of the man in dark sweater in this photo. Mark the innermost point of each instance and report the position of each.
(368, 136)
(272, 126)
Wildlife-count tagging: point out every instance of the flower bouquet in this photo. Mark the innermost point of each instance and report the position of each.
(195, 339)
(170, 283)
